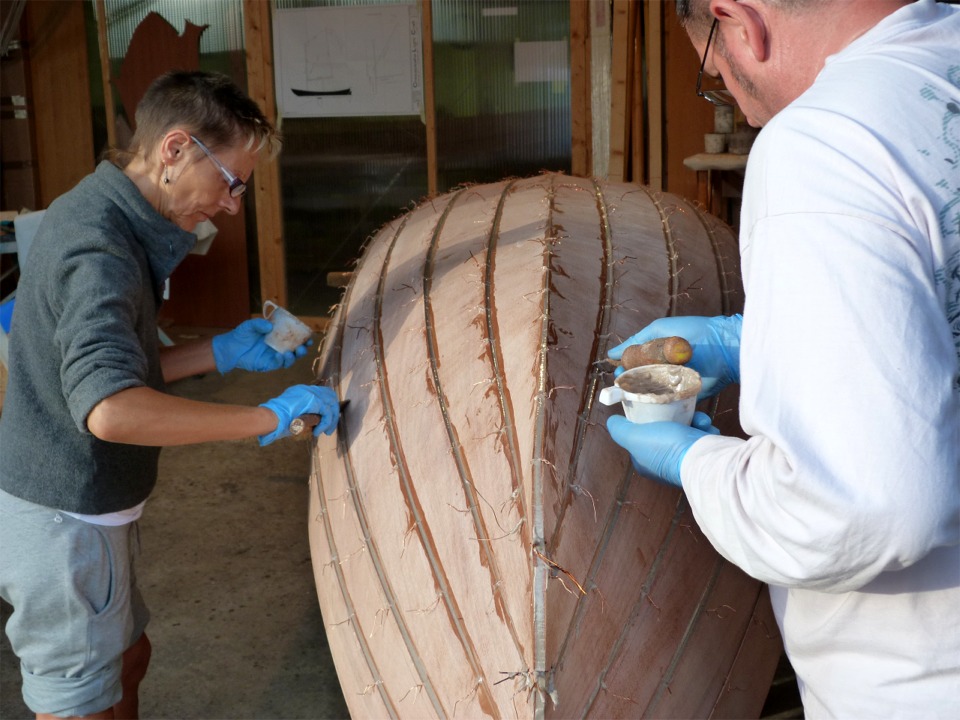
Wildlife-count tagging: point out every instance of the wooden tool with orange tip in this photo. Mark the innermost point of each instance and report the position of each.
(662, 351)
(300, 426)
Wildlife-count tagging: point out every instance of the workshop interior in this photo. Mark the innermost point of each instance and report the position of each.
(431, 150)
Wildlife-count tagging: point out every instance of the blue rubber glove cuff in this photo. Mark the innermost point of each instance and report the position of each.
(656, 449)
(244, 348)
(727, 330)
(299, 400)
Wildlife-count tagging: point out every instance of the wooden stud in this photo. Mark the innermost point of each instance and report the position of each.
(100, 8)
(582, 131)
(339, 279)
(620, 90)
(639, 172)
(429, 98)
(654, 67)
(267, 190)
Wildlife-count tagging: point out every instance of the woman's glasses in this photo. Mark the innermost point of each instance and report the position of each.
(236, 185)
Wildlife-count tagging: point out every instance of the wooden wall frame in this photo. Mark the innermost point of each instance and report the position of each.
(429, 98)
(260, 86)
(258, 35)
(652, 39)
(257, 16)
(621, 88)
(656, 120)
(654, 124)
(581, 121)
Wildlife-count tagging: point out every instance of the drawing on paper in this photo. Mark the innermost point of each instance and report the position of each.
(348, 61)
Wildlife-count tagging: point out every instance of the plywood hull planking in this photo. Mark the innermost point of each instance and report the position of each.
(481, 546)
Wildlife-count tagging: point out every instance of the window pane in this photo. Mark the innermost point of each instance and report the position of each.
(342, 179)
(502, 84)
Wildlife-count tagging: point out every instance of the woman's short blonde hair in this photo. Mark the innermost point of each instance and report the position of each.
(206, 104)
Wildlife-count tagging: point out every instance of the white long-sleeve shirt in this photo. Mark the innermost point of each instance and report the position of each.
(846, 496)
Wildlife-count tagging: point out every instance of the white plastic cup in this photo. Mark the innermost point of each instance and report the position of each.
(288, 332)
(655, 393)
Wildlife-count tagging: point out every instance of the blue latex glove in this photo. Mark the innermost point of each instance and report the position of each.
(243, 347)
(715, 342)
(298, 400)
(702, 421)
(657, 449)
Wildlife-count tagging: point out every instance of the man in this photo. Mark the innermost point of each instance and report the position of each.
(845, 497)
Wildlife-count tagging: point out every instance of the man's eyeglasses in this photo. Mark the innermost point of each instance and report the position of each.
(236, 185)
(718, 96)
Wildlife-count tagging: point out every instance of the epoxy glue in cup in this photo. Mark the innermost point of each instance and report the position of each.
(655, 393)
(288, 332)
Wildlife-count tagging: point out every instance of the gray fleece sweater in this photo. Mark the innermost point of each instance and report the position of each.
(85, 327)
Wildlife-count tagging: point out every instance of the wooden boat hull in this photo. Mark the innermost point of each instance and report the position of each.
(481, 546)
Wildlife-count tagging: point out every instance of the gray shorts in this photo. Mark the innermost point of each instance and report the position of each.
(76, 606)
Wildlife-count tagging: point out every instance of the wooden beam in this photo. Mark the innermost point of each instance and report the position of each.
(639, 172)
(318, 323)
(429, 99)
(654, 75)
(580, 96)
(686, 116)
(59, 95)
(100, 9)
(620, 90)
(339, 279)
(267, 190)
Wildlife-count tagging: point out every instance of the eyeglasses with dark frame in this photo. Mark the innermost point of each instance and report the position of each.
(717, 97)
(236, 186)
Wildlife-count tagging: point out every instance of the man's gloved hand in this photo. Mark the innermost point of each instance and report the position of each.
(702, 421)
(657, 449)
(716, 347)
(298, 400)
(243, 347)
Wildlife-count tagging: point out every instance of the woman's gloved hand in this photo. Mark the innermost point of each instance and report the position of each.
(715, 342)
(243, 347)
(657, 449)
(299, 400)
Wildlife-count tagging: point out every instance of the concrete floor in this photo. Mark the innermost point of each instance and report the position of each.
(226, 571)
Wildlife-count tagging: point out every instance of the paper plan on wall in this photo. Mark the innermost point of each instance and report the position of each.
(348, 61)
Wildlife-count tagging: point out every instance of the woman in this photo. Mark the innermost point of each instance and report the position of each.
(86, 410)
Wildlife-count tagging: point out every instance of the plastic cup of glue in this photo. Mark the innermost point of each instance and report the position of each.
(288, 332)
(655, 393)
